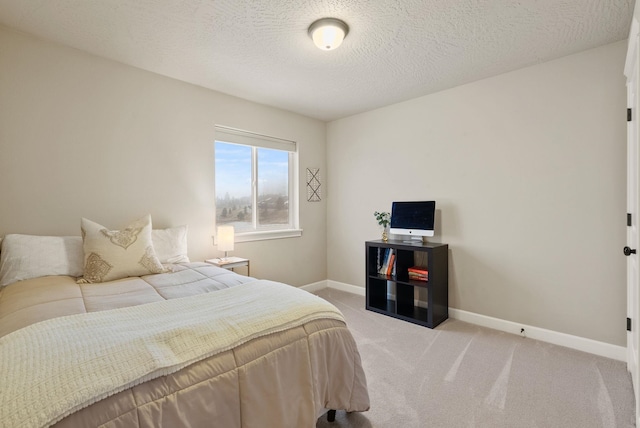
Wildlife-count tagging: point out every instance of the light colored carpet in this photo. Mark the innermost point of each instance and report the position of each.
(463, 375)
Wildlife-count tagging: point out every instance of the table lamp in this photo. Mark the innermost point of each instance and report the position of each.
(226, 237)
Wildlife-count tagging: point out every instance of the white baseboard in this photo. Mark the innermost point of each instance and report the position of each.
(562, 339)
(575, 342)
(316, 286)
(353, 289)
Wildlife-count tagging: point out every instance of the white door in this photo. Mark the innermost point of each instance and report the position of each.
(633, 303)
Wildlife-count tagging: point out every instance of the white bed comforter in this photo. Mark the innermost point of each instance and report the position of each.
(81, 359)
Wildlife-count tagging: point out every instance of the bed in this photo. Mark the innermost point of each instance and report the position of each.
(196, 345)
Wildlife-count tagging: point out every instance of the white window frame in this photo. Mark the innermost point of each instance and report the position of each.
(225, 134)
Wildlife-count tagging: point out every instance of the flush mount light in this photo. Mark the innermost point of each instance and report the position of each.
(328, 33)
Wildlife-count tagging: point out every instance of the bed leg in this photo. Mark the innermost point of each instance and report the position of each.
(331, 415)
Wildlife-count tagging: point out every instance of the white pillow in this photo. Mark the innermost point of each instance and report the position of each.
(171, 244)
(29, 256)
(115, 254)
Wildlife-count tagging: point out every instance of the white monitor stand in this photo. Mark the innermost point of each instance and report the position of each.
(415, 240)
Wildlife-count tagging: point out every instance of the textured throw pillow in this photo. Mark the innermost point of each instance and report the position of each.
(171, 244)
(115, 254)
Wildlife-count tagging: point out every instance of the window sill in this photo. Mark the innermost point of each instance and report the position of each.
(264, 235)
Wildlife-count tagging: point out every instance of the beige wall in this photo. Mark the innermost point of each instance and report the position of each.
(528, 171)
(81, 136)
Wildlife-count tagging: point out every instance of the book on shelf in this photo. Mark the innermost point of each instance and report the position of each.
(418, 273)
(392, 260)
(387, 263)
(379, 259)
(382, 257)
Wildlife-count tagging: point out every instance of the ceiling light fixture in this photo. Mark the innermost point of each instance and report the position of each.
(328, 33)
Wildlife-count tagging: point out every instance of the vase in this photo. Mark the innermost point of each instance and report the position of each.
(385, 236)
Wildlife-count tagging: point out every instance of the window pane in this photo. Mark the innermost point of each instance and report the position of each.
(273, 187)
(233, 185)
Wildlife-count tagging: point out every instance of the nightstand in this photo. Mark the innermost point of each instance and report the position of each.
(230, 263)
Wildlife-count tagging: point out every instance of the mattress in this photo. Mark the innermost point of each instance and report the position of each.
(281, 378)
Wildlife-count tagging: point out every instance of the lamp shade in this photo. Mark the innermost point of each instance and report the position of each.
(226, 237)
(328, 33)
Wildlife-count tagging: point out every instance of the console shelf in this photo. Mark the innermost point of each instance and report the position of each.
(433, 256)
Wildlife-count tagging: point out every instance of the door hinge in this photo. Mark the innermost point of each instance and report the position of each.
(628, 324)
(628, 115)
(629, 219)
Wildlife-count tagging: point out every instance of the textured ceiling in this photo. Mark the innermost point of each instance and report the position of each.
(259, 49)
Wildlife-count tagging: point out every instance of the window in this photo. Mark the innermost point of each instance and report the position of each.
(256, 184)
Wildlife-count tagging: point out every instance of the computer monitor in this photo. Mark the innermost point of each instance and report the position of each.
(413, 218)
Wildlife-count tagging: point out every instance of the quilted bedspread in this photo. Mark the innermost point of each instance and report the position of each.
(187, 348)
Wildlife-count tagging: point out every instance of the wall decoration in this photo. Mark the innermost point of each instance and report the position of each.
(313, 185)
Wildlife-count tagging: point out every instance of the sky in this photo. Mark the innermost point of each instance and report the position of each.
(233, 170)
